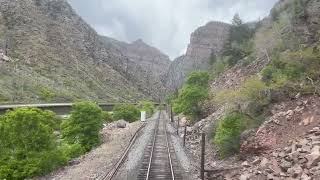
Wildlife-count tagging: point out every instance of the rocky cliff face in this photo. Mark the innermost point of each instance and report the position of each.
(205, 41)
(56, 56)
(146, 65)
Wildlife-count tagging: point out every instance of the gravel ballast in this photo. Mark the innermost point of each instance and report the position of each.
(130, 168)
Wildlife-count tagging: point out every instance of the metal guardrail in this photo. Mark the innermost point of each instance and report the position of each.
(58, 108)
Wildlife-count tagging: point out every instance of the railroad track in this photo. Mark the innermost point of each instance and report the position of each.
(159, 161)
(111, 174)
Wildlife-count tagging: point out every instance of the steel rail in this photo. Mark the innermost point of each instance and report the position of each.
(169, 154)
(110, 175)
(153, 145)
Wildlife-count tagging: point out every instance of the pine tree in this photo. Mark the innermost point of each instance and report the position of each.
(236, 21)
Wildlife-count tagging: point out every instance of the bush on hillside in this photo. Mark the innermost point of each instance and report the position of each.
(252, 90)
(237, 51)
(127, 112)
(198, 78)
(239, 45)
(46, 94)
(171, 97)
(107, 117)
(147, 106)
(84, 125)
(28, 146)
(219, 66)
(188, 101)
(192, 94)
(72, 150)
(227, 135)
(292, 67)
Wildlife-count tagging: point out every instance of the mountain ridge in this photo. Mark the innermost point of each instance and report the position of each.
(204, 41)
(57, 57)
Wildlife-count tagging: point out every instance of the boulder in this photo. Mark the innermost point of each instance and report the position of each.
(313, 157)
(285, 165)
(295, 171)
(264, 162)
(245, 164)
(305, 177)
(122, 123)
(272, 177)
(245, 176)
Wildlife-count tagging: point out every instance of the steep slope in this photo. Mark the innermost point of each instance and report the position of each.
(146, 65)
(204, 42)
(283, 143)
(56, 56)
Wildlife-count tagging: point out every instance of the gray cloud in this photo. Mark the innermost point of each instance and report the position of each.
(165, 24)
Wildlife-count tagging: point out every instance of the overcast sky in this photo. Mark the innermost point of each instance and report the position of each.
(164, 24)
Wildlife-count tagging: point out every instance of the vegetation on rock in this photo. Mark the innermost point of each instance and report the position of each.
(239, 44)
(147, 106)
(84, 125)
(28, 146)
(293, 68)
(227, 136)
(191, 95)
(128, 112)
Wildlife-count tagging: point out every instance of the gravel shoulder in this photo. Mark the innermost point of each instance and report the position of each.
(99, 160)
(189, 168)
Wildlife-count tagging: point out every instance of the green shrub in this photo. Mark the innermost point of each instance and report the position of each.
(84, 125)
(72, 150)
(147, 106)
(188, 101)
(46, 94)
(162, 107)
(171, 97)
(239, 44)
(220, 65)
(292, 67)
(192, 94)
(255, 90)
(107, 117)
(127, 112)
(28, 146)
(299, 9)
(213, 58)
(275, 14)
(251, 90)
(198, 78)
(227, 136)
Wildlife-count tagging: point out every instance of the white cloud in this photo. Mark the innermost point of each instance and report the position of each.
(165, 24)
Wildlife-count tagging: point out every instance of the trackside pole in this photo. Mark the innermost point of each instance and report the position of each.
(178, 124)
(171, 112)
(203, 143)
(185, 134)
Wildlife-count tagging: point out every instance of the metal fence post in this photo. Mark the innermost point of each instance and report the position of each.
(6, 48)
(185, 134)
(171, 111)
(178, 124)
(203, 144)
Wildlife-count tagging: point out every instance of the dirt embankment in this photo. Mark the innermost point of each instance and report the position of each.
(286, 146)
(100, 159)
